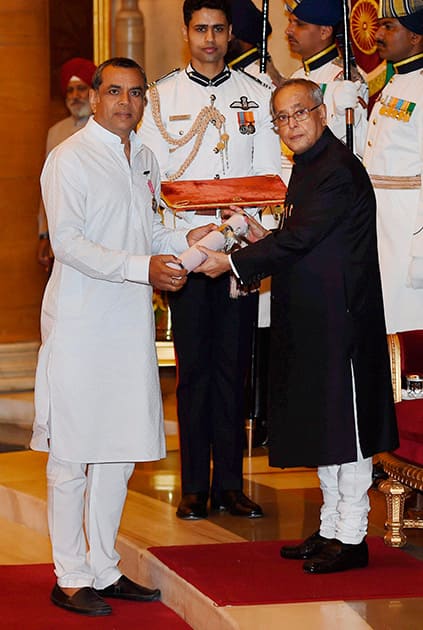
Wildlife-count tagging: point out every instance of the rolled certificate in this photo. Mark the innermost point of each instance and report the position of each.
(223, 238)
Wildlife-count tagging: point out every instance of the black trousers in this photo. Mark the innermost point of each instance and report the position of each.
(212, 337)
(258, 386)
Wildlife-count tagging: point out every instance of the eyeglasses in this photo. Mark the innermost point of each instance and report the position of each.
(300, 115)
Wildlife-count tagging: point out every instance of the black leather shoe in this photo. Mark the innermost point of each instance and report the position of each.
(192, 507)
(237, 504)
(338, 556)
(311, 546)
(86, 601)
(125, 588)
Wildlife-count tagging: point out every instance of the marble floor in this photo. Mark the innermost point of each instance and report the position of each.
(290, 499)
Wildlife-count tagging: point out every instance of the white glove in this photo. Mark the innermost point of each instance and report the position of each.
(345, 96)
(415, 274)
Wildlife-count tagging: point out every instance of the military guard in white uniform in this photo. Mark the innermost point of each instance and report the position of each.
(208, 122)
(394, 160)
(311, 33)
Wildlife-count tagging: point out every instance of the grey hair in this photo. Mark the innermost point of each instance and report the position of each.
(313, 89)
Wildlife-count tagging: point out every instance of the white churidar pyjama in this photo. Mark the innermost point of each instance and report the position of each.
(85, 503)
(345, 509)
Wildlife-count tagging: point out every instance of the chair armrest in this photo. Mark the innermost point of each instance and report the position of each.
(395, 358)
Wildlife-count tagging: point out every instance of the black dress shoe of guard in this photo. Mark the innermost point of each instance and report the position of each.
(338, 556)
(310, 547)
(192, 507)
(125, 588)
(237, 504)
(86, 601)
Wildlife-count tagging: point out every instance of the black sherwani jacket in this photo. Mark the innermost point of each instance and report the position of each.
(328, 329)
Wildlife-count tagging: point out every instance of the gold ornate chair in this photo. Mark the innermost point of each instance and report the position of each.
(404, 466)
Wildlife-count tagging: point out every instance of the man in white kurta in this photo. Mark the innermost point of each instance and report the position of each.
(394, 160)
(311, 33)
(98, 404)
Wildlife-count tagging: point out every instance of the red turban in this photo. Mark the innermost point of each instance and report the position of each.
(76, 67)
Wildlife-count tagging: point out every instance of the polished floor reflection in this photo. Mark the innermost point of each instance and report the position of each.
(290, 500)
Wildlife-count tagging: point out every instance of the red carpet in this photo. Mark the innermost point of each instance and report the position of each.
(25, 604)
(254, 573)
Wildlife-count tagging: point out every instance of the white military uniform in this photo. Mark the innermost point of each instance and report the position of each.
(394, 160)
(325, 69)
(211, 378)
(248, 154)
(249, 62)
(181, 99)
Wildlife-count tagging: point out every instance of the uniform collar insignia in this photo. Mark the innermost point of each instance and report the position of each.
(320, 59)
(245, 59)
(202, 80)
(409, 65)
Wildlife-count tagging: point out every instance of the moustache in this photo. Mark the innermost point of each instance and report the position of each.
(379, 42)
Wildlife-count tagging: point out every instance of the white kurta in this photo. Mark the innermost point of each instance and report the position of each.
(395, 148)
(328, 77)
(181, 99)
(97, 390)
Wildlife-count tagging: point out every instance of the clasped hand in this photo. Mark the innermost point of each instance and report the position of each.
(217, 263)
(172, 277)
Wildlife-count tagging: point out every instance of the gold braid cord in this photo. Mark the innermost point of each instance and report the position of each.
(208, 114)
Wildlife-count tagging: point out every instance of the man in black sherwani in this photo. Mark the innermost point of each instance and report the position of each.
(330, 403)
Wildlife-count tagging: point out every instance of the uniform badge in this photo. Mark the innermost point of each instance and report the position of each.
(153, 195)
(397, 108)
(244, 104)
(246, 122)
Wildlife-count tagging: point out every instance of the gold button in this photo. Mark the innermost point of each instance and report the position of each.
(374, 121)
(369, 143)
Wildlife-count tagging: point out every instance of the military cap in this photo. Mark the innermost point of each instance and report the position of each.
(247, 21)
(408, 12)
(321, 12)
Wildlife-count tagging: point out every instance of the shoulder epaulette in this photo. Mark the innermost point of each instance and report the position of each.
(355, 73)
(251, 76)
(165, 76)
